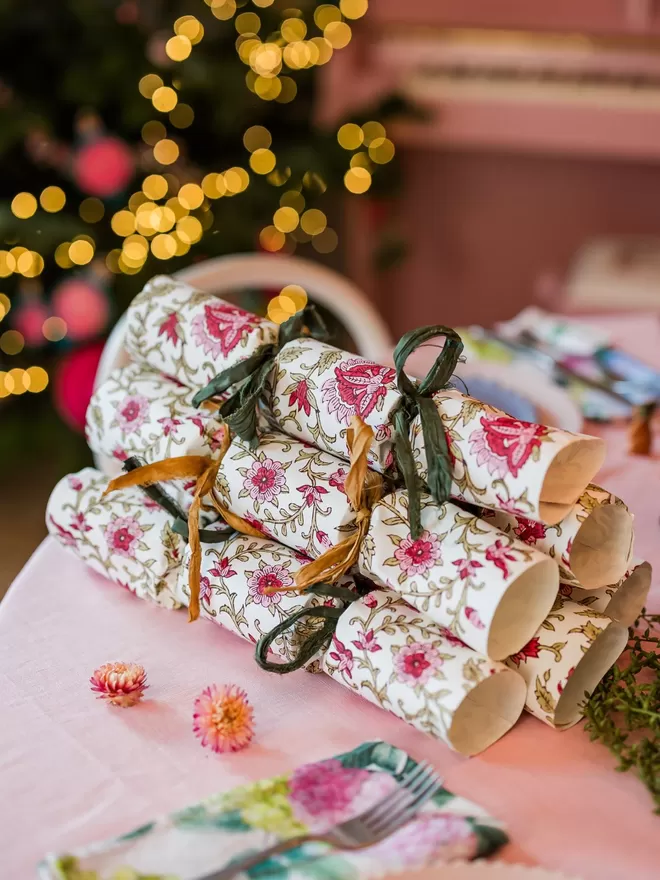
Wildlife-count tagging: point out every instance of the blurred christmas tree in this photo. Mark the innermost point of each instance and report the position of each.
(136, 137)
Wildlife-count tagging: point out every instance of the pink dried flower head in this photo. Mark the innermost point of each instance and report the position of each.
(223, 718)
(121, 684)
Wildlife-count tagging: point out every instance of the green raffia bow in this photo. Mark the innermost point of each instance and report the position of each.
(417, 399)
(180, 524)
(239, 411)
(317, 640)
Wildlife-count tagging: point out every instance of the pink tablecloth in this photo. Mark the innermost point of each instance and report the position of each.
(73, 770)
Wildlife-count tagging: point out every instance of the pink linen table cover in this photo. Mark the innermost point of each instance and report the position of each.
(73, 770)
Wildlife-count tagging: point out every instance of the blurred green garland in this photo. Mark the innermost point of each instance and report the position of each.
(624, 710)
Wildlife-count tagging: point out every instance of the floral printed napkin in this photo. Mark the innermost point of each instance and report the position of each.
(209, 835)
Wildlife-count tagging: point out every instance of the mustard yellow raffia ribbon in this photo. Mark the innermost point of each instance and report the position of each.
(205, 470)
(363, 488)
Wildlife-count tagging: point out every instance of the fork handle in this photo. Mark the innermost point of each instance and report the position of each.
(248, 862)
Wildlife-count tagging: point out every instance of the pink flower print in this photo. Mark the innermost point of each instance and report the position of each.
(418, 556)
(189, 485)
(566, 555)
(467, 567)
(565, 590)
(322, 794)
(200, 424)
(452, 639)
(431, 837)
(370, 600)
(338, 478)
(150, 504)
(119, 454)
(312, 494)
(222, 569)
(505, 444)
(416, 663)
(266, 585)
(259, 526)
(132, 413)
(169, 424)
(79, 523)
(63, 536)
(383, 432)
(75, 483)
(215, 439)
(529, 532)
(367, 642)
(323, 539)
(169, 328)
(508, 505)
(343, 656)
(265, 480)
(357, 388)
(498, 554)
(221, 328)
(560, 686)
(205, 591)
(123, 535)
(473, 616)
(299, 397)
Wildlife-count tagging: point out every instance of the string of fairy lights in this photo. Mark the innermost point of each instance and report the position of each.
(165, 218)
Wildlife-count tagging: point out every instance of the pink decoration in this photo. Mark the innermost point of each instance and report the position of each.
(121, 684)
(29, 318)
(223, 718)
(103, 167)
(74, 382)
(83, 306)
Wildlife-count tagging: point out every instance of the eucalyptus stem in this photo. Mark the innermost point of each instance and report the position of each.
(624, 710)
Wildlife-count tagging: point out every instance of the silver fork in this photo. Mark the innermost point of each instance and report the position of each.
(373, 825)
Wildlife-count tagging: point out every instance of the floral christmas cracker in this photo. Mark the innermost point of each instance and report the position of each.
(125, 536)
(138, 411)
(289, 491)
(243, 589)
(485, 587)
(396, 657)
(502, 463)
(592, 544)
(622, 602)
(189, 334)
(568, 656)
(316, 390)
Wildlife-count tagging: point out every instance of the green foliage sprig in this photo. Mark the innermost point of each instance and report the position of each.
(624, 710)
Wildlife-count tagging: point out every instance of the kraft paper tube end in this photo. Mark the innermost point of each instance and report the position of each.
(488, 712)
(602, 547)
(601, 656)
(630, 596)
(523, 608)
(568, 475)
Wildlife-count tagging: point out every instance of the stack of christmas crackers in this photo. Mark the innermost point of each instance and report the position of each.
(442, 559)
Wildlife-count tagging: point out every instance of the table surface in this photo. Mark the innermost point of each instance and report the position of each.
(74, 770)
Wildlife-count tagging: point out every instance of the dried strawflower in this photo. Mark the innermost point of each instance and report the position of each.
(223, 718)
(122, 684)
(624, 710)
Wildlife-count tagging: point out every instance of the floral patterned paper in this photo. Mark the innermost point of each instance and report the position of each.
(209, 835)
(558, 540)
(554, 656)
(124, 536)
(237, 579)
(497, 461)
(316, 390)
(191, 335)
(393, 656)
(137, 411)
(622, 602)
(457, 571)
(289, 490)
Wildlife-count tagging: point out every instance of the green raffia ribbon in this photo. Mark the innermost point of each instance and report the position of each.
(417, 399)
(239, 411)
(317, 639)
(180, 521)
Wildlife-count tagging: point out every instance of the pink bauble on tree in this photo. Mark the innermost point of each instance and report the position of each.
(104, 167)
(74, 383)
(28, 319)
(83, 306)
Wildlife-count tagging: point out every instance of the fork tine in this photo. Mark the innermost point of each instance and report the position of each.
(401, 795)
(404, 812)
